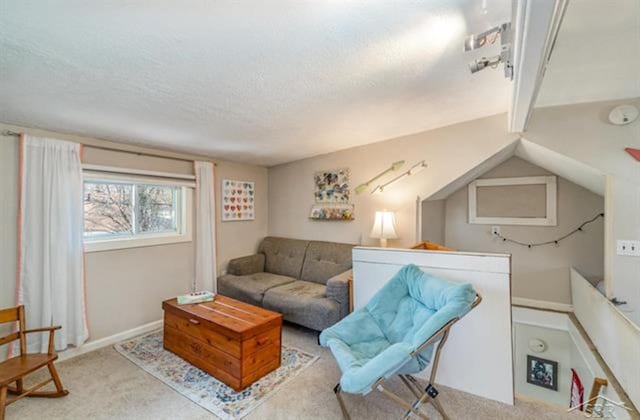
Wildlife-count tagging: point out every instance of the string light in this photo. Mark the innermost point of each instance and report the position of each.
(556, 242)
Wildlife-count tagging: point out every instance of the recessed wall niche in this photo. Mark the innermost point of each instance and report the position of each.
(514, 201)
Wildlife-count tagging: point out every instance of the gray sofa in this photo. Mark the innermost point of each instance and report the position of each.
(305, 281)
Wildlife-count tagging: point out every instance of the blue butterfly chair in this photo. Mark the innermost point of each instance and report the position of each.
(395, 333)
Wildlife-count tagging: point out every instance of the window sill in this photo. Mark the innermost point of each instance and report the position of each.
(120, 243)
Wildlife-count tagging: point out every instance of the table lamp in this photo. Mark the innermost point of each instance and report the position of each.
(384, 227)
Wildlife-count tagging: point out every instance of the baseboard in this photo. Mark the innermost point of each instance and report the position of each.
(542, 304)
(110, 340)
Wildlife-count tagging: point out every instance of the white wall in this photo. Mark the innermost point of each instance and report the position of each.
(540, 273)
(433, 221)
(616, 338)
(558, 350)
(449, 152)
(623, 273)
(582, 132)
(236, 239)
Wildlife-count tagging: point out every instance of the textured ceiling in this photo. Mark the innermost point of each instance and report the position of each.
(259, 82)
(597, 54)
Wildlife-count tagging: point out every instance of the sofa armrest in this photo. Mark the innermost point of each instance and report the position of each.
(338, 290)
(244, 266)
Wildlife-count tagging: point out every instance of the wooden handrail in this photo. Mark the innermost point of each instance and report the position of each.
(597, 385)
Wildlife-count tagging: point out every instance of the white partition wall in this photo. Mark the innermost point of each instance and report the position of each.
(616, 337)
(478, 355)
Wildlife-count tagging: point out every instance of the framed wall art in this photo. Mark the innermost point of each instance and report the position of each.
(542, 372)
(332, 186)
(238, 200)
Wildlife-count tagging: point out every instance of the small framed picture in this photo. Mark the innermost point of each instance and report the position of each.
(542, 372)
(238, 200)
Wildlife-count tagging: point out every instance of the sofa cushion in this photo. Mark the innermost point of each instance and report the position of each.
(324, 260)
(283, 256)
(303, 303)
(251, 288)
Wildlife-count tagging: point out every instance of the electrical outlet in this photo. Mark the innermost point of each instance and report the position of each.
(628, 248)
(635, 248)
(495, 230)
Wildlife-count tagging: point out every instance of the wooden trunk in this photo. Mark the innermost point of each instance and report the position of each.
(233, 341)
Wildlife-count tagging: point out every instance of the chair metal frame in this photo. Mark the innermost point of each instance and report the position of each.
(16, 314)
(424, 395)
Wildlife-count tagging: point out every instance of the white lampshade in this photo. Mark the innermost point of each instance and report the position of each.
(384, 227)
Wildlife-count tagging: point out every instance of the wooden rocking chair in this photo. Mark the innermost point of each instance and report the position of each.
(16, 368)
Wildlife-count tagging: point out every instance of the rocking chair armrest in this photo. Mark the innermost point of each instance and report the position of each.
(51, 330)
(43, 329)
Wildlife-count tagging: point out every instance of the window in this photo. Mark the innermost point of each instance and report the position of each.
(121, 213)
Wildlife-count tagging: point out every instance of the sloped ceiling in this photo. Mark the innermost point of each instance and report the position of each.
(258, 82)
(500, 157)
(561, 165)
(597, 54)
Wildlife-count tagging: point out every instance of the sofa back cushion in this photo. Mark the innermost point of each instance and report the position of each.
(325, 260)
(283, 256)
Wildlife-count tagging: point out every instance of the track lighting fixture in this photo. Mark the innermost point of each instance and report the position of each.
(475, 41)
(418, 167)
(484, 62)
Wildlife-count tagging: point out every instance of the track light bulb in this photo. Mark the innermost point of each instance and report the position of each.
(484, 62)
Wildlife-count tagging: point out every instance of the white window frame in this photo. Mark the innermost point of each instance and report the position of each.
(550, 219)
(185, 216)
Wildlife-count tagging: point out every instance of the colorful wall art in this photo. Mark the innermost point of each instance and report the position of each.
(332, 186)
(332, 212)
(238, 200)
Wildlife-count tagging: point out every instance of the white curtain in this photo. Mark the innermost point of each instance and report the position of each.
(205, 278)
(51, 272)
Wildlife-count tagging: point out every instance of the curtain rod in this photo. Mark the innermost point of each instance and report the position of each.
(113, 149)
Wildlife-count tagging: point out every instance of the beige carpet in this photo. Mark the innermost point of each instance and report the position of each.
(105, 385)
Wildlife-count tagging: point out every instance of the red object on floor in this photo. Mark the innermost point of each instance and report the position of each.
(577, 391)
(633, 152)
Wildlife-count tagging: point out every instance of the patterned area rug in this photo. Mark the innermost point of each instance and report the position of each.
(146, 351)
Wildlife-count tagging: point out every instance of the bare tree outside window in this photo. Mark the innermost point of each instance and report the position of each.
(107, 209)
(118, 209)
(156, 209)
